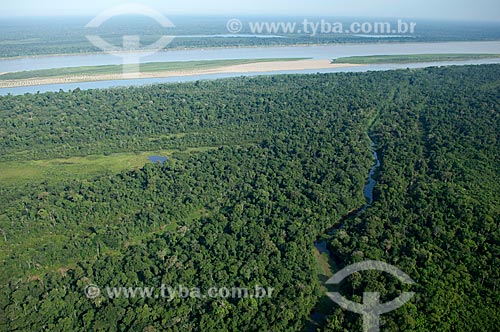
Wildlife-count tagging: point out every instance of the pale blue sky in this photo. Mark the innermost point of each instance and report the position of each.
(437, 9)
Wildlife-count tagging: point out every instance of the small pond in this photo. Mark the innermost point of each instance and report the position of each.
(157, 159)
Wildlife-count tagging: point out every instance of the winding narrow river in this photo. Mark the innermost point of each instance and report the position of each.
(368, 193)
(322, 246)
(370, 185)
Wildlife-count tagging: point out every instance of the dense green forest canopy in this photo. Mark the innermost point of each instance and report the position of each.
(280, 160)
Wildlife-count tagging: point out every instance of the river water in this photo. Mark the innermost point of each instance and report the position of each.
(315, 52)
(322, 246)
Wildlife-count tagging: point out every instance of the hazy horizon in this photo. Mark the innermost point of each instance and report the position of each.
(447, 10)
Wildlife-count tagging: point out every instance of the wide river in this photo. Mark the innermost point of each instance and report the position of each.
(315, 52)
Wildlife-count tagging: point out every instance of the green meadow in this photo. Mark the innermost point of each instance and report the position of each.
(412, 58)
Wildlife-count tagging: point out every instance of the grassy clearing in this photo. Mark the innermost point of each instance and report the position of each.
(144, 68)
(323, 266)
(24, 172)
(411, 58)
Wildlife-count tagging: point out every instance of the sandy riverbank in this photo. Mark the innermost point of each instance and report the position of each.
(261, 67)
